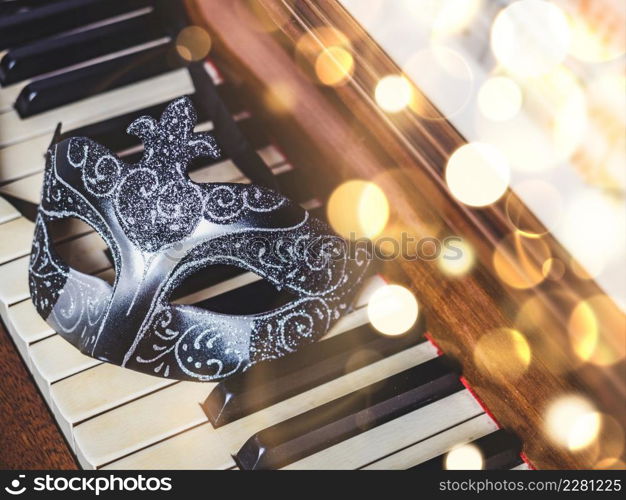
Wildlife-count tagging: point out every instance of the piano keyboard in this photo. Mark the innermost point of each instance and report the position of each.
(356, 399)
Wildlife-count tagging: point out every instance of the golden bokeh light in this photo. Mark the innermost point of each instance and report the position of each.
(521, 262)
(499, 98)
(449, 75)
(393, 93)
(534, 196)
(583, 330)
(610, 441)
(594, 231)
(457, 258)
(477, 174)
(597, 331)
(598, 29)
(572, 422)
(358, 209)
(553, 269)
(579, 270)
(465, 457)
(256, 16)
(334, 66)
(279, 98)
(610, 463)
(530, 37)
(503, 354)
(569, 110)
(324, 54)
(193, 43)
(583, 431)
(316, 40)
(535, 317)
(553, 118)
(601, 157)
(414, 217)
(453, 16)
(392, 310)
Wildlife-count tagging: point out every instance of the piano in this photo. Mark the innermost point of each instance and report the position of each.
(469, 385)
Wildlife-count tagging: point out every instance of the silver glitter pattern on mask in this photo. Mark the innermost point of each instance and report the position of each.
(144, 210)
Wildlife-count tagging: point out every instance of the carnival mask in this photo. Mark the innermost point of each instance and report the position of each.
(144, 210)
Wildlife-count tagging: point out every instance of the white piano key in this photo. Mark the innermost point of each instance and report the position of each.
(29, 188)
(437, 445)
(14, 283)
(196, 449)
(15, 236)
(88, 254)
(227, 171)
(224, 286)
(26, 326)
(23, 158)
(271, 155)
(97, 382)
(9, 94)
(170, 453)
(54, 358)
(380, 441)
(96, 390)
(7, 211)
(26, 189)
(87, 251)
(70, 409)
(140, 423)
(28, 157)
(115, 102)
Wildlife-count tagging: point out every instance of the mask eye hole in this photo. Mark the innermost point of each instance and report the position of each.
(81, 248)
(230, 290)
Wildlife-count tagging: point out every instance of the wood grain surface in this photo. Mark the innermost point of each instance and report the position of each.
(29, 437)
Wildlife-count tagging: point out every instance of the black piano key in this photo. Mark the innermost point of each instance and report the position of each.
(268, 383)
(49, 93)
(299, 185)
(199, 281)
(12, 7)
(257, 297)
(253, 132)
(57, 17)
(500, 450)
(227, 134)
(43, 56)
(338, 420)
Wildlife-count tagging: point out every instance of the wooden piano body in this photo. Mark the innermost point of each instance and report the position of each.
(113, 418)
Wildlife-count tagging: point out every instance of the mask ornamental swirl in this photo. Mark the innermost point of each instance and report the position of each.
(144, 210)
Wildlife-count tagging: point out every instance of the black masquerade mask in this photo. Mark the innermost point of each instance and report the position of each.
(143, 211)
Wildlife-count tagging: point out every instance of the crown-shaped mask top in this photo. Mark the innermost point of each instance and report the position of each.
(154, 200)
(171, 142)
